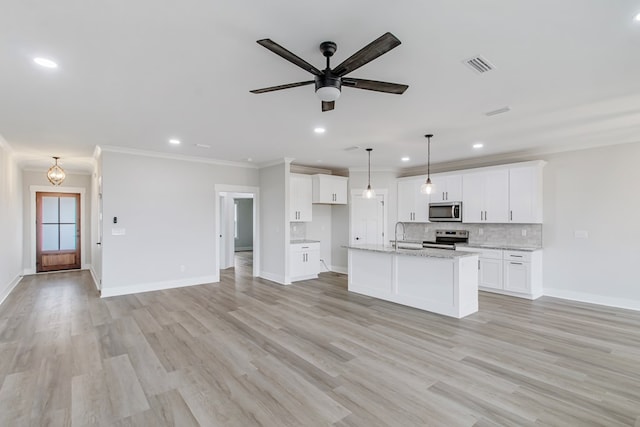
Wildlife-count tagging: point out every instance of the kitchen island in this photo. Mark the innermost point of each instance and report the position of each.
(437, 280)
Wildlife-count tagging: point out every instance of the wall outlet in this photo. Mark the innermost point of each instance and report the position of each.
(182, 269)
(581, 234)
(524, 232)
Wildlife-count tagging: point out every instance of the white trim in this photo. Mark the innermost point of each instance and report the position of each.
(285, 160)
(243, 248)
(11, 287)
(94, 276)
(33, 189)
(593, 299)
(157, 286)
(255, 191)
(274, 278)
(145, 153)
(375, 170)
(339, 269)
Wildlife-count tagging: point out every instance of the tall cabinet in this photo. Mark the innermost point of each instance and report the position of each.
(300, 209)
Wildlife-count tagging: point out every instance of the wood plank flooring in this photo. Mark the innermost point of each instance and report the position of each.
(247, 352)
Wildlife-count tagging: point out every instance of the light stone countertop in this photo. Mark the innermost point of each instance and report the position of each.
(499, 246)
(425, 252)
(303, 241)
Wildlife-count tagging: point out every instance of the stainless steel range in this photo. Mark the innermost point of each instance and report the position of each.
(447, 239)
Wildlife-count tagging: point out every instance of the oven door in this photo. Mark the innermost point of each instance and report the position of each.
(445, 212)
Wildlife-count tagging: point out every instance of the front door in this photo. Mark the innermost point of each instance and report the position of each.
(57, 231)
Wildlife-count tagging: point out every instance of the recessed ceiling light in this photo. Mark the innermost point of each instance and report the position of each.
(405, 159)
(478, 145)
(44, 62)
(174, 141)
(319, 130)
(637, 18)
(249, 159)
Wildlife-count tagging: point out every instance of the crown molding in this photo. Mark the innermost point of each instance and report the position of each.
(284, 160)
(156, 154)
(374, 170)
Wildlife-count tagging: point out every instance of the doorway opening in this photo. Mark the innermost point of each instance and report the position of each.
(57, 231)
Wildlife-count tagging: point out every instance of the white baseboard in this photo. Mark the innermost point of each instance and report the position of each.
(339, 269)
(156, 286)
(28, 271)
(4, 294)
(593, 298)
(94, 276)
(274, 278)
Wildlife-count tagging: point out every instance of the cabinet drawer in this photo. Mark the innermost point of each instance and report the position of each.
(305, 247)
(517, 256)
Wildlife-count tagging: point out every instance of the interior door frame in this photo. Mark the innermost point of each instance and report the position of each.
(255, 191)
(385, 211)
(33, 189)
(40, 253)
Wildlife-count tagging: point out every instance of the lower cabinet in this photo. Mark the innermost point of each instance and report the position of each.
(516, 273)
(304, 261)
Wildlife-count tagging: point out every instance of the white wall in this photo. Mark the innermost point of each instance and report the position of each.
(320, 229)
(274, 223)
(39, 178)
(166, 208)
(244, 241)
(339, 237)
(594, 190)
(11, 243)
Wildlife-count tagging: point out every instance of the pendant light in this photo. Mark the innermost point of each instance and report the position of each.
(369, 193)
(56, 174)
(427, 187)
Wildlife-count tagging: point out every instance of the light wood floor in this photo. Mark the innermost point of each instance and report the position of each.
(246, 352)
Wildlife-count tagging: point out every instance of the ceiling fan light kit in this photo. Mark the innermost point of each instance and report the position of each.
(329, 82)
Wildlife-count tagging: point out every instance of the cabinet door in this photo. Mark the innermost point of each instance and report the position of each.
(496, 196)
(472, 197)
(490, 273)
(439, 186)
(300, 208)
(406, 200)
(421, 203)
(517, 276)
(525, 201)
(297, 264)
(340, 190)
(312, 263)
(453, 191)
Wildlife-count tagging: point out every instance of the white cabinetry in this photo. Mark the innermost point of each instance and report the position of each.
(329, 189)
(413, 206)
(485, 196)
(304, 261)
(525, 193)
(446, 188)
(515, 273)
(300, 198)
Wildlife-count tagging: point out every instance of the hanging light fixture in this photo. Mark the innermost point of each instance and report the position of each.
(427, 187)
(56, 174)
(369, 193)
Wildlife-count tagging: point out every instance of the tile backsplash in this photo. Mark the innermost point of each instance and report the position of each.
(499, 234)
(298, 230)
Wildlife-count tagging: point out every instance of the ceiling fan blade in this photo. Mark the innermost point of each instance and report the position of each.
(328, 106)
(287, 86)
(375, 85)
(378, 47)
(291, 57)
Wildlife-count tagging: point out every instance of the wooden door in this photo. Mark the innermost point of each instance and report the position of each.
(57, 231)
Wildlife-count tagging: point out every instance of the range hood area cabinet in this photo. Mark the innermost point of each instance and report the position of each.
(446, 188)
(329, 189)
(300, 194)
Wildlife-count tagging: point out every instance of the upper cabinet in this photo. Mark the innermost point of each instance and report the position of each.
(525, 193)
(413, 206)
(300, 208)
(446, 188)
(329, 189)
(485, 196)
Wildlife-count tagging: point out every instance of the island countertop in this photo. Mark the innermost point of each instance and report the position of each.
(425, 252)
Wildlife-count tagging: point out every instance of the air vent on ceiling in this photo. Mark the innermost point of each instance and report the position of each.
(479, 64)
(353, 147)
(498, 111)
(203, 146)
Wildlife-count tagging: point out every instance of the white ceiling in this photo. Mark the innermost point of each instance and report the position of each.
(135, 73)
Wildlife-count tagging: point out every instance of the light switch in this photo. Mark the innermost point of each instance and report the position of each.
(581, 234)
(118, 231)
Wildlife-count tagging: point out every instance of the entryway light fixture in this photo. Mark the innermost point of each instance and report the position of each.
(369, 193)
(56, 174)
(427, 187)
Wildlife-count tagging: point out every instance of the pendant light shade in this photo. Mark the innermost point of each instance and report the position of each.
(56, 174)
(427, 186)
(369, 193)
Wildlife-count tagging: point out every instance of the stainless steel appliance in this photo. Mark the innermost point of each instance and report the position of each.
(447, 239)
(445, 212)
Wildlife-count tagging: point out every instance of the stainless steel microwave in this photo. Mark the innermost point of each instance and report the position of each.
(445, 212)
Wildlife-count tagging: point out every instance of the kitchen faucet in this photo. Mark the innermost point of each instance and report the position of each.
(396, 233)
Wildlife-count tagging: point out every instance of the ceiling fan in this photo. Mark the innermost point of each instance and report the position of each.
(329, 82)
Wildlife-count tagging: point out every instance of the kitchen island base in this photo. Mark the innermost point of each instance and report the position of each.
(443, 285)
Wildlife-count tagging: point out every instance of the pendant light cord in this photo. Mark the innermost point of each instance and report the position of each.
(369, 169)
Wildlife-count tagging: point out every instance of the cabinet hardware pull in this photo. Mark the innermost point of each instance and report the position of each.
(510, 215)
(515, 256)
(447, 193)
(516, 263)
(485, 215)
